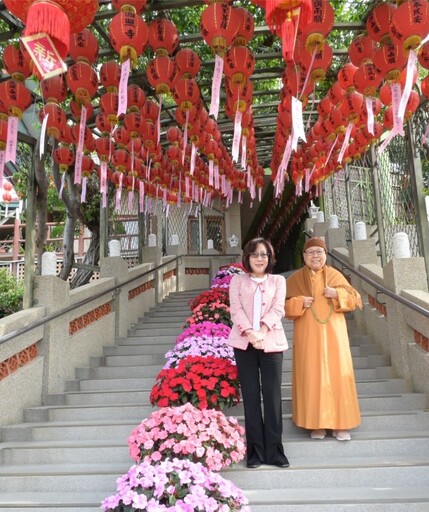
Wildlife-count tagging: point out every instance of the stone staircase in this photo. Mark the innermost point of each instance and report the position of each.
(68, 453)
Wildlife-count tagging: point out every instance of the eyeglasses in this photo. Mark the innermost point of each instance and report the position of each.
(318, 252)
(259, 255)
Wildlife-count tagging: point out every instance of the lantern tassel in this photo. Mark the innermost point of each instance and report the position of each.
(45, 16)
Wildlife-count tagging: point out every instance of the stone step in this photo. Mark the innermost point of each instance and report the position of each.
(163, 330)
(326, 499)
(300, 451)
(372, 424)
(302, 475)
(156, 340)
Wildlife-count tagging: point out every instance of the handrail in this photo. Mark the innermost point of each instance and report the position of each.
(113, 290)
(382, 289)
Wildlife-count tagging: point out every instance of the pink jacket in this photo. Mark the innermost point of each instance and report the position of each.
(241, 291)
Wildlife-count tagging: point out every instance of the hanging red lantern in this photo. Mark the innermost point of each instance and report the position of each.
(17, 63)
(367, 79)
(57, 18)
(162, 74)
(412, 105)
(186, 93)
(239, 101)
(423, 55)
(388, 118)
(64, 157)
(150, 111)
(378, 23)
(110, 74)
(84, 46)
(109, 102)
(103, 124)
(149, 134)
(133, 122)
(219, 26)
(138, 5)
(88, 166)
(425, 86)
(54, 89)
(88, 137)
(136, 98)
(56, 119)
(82, 80)
(7, 197)
(128, 35)
(390, 59)
(163, 36)
(76, 110)
(239, 64)
(345, 75)
(188, 63)
(246, 27)
(410, 23)
(121, 136)
(121, 160)
(314, 33)
(174, 155)
(3, 133)
(15, 96)
(336, 93)
(319, 61)
(174, 135)
(103, 147)
(192, 114)
(282, 18)
(361, 49)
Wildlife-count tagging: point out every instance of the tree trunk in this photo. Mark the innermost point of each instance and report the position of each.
(92, 257)
(41, 206)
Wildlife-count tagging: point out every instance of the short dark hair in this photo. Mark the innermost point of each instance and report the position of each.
(251, 247)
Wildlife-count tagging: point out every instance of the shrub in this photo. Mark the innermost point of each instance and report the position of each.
(11, 292)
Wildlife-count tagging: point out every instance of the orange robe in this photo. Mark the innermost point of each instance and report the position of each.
(323, 384)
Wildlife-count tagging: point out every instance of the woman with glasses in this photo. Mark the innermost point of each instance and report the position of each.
(323, 385)
(257, 301)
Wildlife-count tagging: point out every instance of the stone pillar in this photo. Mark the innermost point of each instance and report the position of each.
(361, 252)
(233, 227)
(154, 255)
(335, 237)
(117, 267)
(53, 293)
(320, 228)
(402, 274)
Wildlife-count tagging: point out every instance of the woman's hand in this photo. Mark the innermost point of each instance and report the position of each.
(308, 301)
(256, 338)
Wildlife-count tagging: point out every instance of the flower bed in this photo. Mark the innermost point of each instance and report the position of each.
(212, 329)
(205, 382)
(199, 346)
(176, 486)
(205, 436)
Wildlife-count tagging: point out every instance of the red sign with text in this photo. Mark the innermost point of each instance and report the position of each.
(44, 55)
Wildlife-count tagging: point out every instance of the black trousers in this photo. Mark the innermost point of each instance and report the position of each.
(260, 375)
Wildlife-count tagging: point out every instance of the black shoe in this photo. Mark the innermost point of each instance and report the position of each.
(282, 462)
(254, 463)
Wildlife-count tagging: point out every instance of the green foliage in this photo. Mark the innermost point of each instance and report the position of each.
(11, 293)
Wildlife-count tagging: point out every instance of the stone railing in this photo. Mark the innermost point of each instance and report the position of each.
(68, 327)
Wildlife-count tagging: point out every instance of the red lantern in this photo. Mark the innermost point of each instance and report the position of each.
(246, 27)
(138, 5)
(15, 96)
(76, 109)
(186, 93)
(425, 86)
(88, 166)
(390, 59)
(82, 81)
(121, 160)
(174, 135)
(17, 63)
(64, 157)
(84, 46)
(313, 33)
(150, 111)
(423, 55)
(128, 35)
(180, 116)
(239, 64)
(336, 93)
(3, 133)
(135, 98)
(56, 119)
(219, 26)
(361, 49)
(133, 122)
(109, 102)
(163, 36)
(7, 197)
(367, 79)
(149, 134)
(188, 63)
(103, 147)
(282, 19)
(54, 89)
(319, 60)
(88, 138)
(121, 136)
(378, 23)
(57, 18)
(162, 73)
(346, 75)
(410, 23)
(110, 74)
